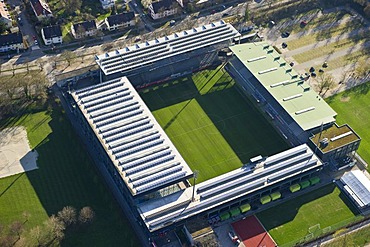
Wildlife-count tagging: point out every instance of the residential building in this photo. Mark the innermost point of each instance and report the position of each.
(120, 21)
(12, 41)
(41, 9)
(52, 35)
(106, 4)
(5, 16)
(84, 29)
(163, 8)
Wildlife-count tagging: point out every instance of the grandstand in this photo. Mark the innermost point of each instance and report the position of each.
(168, 57)
(281, 92)
(137, 146)
(230, 188)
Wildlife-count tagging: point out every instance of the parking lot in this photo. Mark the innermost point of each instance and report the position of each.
(331, 42)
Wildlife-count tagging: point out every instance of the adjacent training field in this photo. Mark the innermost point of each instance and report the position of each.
(353, 107)
(252, 233)
(324, 209)
(214, 128)
(66, 176)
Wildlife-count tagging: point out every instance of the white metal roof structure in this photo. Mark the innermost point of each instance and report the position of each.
(141, 151)
(227, 187)
(357, 186)
(151, 51)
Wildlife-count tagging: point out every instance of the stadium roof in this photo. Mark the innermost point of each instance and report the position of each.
(141, 151)
(145, 53)
(303, 104)
(227, 187)
(358, 187)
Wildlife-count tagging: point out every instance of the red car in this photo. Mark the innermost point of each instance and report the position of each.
(303, 23)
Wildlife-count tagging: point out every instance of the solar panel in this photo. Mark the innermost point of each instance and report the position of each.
(141, 171)
(160, 182)
(148, 157)
(127, 126)
(109, 103)
(103, 94)
(135, 143)
(139, 148)
(156, 176)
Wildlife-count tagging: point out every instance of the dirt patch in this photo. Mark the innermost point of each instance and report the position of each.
(345, 98)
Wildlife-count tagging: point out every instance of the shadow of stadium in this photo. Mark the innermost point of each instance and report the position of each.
(67, 177)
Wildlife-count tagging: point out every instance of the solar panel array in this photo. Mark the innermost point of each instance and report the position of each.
(168, 46)
(135, 142)
(240, 182)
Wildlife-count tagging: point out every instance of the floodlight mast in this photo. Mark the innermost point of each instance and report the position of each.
(195, 176)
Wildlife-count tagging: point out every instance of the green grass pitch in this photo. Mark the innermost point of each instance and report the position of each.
(290, 221)
(214, 128)
(66, 176)
(353, 108)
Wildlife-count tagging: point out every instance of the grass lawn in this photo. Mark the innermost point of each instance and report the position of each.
(66, 176)
(353, 107)
(214, 128)
(326, 206)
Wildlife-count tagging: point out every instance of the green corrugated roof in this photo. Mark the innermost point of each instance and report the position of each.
(305, 184)
(276, 75)
(245, 207)
(295, 187)
(276, 195)
(225, 216)
(235, 211)
(265, 199)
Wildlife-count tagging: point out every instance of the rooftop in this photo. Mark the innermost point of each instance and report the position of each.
(227, 187)
(141, 151)
(336, 136)
(162, 4)
(358, 186)
(120, 18)
(11, 38)
(302, 103)
(178, 43)
(52, 31)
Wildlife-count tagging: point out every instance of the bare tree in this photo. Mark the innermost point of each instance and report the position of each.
(67, 215)
(16, 229)
(325, 82)
(86, 215)
(362, 67)
(68, 56)
(80, 32)
(54, 229)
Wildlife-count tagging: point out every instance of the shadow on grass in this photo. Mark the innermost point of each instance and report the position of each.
(238, 121)
(273, 217)
(66, 176)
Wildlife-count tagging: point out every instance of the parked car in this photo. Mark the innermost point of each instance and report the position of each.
(284, 45)
(291, 64)
(285, 34)
(234, 238)
(303, 23)
(172, 23)
(321, 70)
(312, 69)
(225, 14)
(325, 65)
(313, 74)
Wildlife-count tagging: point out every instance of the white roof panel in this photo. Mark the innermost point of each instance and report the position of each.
(131, 136)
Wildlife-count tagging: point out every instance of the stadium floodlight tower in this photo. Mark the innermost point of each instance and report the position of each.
(169, 56)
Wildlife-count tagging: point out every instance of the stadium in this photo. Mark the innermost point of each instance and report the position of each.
(177, 141)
